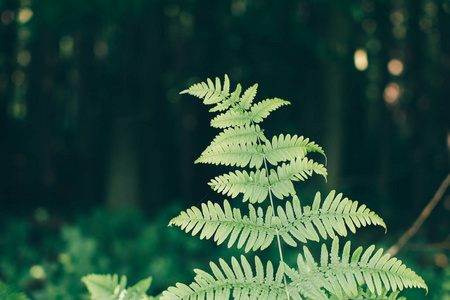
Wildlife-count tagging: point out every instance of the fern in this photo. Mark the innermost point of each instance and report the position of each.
(209, 92)
(108, 287)
(339, 276)
(269, 169)
(238, 281)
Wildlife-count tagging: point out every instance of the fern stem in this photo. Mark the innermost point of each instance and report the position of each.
(276, 228)
(280, 250)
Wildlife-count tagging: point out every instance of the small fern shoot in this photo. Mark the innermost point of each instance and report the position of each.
(268, 170)
(108, 287)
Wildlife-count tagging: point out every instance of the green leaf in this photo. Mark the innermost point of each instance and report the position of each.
(104, 287)
(209, 92)
(233, 155)
(247, 134)
(338, 277)
(247, 99)
(283, 148)
(138, 291)
(261, 110)
(236, 280)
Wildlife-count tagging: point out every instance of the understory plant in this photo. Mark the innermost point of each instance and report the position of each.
(268, 169)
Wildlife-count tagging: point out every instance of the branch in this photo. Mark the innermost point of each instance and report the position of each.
(422, 217)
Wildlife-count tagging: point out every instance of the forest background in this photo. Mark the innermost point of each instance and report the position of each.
(97, 146)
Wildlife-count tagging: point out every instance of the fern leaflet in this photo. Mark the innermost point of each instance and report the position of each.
(237, 281)
(258, 229)
(340, 276)
(247, 98)
(239, 155)
(103, 287)
(255, 186)
(284, 148)
(209, 92)
(247, 134)
(259, 111)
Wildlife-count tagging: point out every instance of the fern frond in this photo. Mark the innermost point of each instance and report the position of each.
(261, 110)
(231, 118)
(364, 293)
(107, 287)
(209, 92)
(237, 135)
(239, 155)
(284, 148)
(104, 286)
(330, 219)
(247, 99)
(298, 169)
(237, 281)
(255, 231)
(258, 229)
(257, 113)
(341, 276)
(230, 101)
(253, 186)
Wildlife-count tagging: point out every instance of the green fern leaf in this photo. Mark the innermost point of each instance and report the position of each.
(261, 110)
(255, 231)
(258, 229)
(231, 118)
(237, 135)
(209, 92)
(253, 186)
(340, 277)
(298, 169)
(239, 155)
(236, 281)
(247, 99)
(105, 287)
(138, 291)
(228, 102)
(368, 295)
(331, 219)
(284, 148)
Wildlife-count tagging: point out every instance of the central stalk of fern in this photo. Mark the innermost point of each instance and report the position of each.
(273, 167)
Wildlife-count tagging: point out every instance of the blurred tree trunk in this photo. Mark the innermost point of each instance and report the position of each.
(93, 117)
(41, 165)
(335, 95)
(8, 156)
(137, 160)
(122, 181)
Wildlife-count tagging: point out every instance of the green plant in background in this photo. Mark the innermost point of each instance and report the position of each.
(275, 164)
(7, 292)
(102, 287)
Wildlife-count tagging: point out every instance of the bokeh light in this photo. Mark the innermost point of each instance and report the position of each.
(360, 59)
(7, 17)
(66, 46)
(395, 67)
(37, 272)
(25, 15)
(392, 93)
(23, 58)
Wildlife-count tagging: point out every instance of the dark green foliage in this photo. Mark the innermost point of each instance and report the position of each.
(102, 241)
(8, 292)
